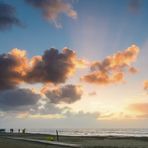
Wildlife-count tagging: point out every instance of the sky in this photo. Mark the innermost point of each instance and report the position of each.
(73, 63)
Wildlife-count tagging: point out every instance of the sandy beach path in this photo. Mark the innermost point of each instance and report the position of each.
(54, 143)
(12, 143)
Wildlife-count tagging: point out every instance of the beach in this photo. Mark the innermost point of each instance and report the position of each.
(9, 143)
(83, 141)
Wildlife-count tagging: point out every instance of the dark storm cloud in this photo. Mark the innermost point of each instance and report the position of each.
(52, 9)
(53, 66)
(18, 99)
(12, 66)
(8, 16)
(67, 94)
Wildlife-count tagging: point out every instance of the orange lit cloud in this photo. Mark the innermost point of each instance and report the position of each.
(56, 67)
(146, 85)
(20, 56)
(112, 69)
(102, 78)
(13, 66)
(140, 110)
(139, 107)
(52, 67)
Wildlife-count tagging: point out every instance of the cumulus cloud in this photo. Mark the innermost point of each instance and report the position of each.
(112, 69)
(8, 16)
(52, 9)
(18, 99)
(27, 103)
(67, 94)
(53, 66)
(13, 65)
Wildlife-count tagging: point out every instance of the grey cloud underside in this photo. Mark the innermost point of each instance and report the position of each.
(8, 16)
(24, 100)
(18, 99)
(67, 94)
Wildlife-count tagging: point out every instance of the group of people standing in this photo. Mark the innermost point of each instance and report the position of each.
(23, 131)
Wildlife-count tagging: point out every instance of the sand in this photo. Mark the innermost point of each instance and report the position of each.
(9, 143)
(85, 142)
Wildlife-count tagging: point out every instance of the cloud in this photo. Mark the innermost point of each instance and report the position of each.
(45, 109)
(82, 114)
(146, 85)
(139, 107)
(52, 9)
(8, 16)
(112, 69)
(134, 5)
(93, 93)
(101, 78)
(133, 70)
(46, 116)
(140, 110)
(18, 99)
(52, 67)
(40, 116)
(13, 65)
(27, 103)
(67, 94)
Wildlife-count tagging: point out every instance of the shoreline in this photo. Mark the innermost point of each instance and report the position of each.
(116, 132)
(62, 135)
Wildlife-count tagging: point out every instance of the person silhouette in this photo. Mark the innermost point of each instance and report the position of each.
(24, 131)
(19, 130)
(11, 130)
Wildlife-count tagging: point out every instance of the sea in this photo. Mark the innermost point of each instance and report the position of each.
(136, 132)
